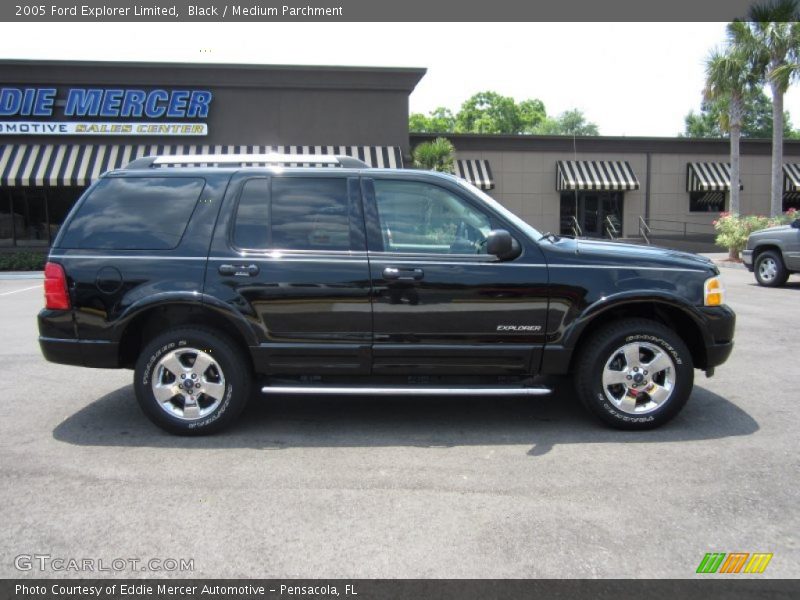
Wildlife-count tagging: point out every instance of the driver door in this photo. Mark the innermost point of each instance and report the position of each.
(441, 304)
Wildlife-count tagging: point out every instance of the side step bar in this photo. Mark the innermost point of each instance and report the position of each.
(399, 391)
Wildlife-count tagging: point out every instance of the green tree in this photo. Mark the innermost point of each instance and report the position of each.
(756, 119)
(489, 112)
(771, 37)
(729, 75)
(570, 122)
(532, 114)
(440, 120)
(436, 155)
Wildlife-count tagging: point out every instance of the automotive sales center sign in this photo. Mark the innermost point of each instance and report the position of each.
(95, 111)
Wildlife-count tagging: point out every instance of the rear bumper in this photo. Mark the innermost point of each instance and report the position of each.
(747, 259)
(81, 353)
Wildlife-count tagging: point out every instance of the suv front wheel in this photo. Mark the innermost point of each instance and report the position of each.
(192, 381)
(634, 374)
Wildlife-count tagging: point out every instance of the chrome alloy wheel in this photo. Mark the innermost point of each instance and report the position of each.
(639, 377)
(188, 384)
(768, 269)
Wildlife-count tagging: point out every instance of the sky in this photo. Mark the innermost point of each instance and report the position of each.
(633, 79)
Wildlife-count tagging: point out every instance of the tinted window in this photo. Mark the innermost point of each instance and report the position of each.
(252, 216)
(420, 217)
(296, 214)
(134, 213)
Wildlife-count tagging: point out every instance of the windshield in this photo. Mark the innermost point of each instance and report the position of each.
(507, 214)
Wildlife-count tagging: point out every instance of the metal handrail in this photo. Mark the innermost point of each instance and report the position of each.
(680, 227)
(644, 229)
(611, 229)
(576, 228)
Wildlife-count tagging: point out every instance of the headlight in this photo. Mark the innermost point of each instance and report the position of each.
(713, 292)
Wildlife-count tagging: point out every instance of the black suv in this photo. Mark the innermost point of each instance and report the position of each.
(207, 277)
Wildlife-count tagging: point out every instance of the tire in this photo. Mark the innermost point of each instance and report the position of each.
(770, 270)
(625, 349)
(220, 388)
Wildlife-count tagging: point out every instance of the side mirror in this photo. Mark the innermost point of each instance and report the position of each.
(499, 243)
(796, 223)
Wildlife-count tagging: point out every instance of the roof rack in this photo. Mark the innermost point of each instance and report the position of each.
(148, 162)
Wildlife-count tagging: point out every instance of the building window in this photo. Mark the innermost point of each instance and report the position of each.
(6, 220)
(31, 216)
(713, 202)
(790, 200)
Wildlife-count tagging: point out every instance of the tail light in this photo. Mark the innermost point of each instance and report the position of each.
(56, 296)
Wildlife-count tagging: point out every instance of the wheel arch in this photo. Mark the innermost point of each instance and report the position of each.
(142, 323)
(761, 248)
(669, 312)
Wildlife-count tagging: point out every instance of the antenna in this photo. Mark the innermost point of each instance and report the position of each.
(575, 158)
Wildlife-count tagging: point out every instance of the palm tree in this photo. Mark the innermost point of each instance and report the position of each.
(771, 37)
(436, 155)
(729, 75)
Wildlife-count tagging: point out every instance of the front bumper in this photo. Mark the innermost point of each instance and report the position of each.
(747, 259)
(720, 323)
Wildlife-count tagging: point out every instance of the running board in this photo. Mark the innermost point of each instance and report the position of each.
(399, 391)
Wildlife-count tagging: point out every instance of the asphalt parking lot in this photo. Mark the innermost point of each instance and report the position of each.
(346, 487)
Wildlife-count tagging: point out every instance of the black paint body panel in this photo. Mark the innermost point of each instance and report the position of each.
(333, 313)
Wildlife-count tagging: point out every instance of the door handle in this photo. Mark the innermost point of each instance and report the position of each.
(240, 270)
(396, 274)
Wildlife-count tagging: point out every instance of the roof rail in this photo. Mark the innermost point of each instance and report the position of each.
(147, 162)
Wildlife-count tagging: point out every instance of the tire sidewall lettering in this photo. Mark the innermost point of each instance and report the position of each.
(604, 403)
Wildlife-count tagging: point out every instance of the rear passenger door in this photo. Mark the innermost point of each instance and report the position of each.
(290, 254)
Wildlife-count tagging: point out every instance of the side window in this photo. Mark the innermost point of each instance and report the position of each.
(310, 213)
(420, 217)
(252, 216)
(293, 213)
(134, 213)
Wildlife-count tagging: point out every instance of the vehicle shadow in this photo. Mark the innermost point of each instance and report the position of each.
(349, 421)
(789, 285)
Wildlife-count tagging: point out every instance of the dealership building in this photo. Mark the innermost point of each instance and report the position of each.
(62, 124)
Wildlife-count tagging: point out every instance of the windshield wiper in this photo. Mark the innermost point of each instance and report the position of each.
(550, 236)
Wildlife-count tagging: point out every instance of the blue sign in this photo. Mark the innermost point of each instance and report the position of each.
(106, 103)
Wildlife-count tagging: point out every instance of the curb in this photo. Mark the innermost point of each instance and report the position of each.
(17, 275)
(727, 264)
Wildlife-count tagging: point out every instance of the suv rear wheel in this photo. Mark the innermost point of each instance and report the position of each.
(192, 381)
(634, 374)
(769, 269)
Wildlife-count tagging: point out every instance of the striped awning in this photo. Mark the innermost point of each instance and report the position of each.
(791, 177)
(477, 172)
(33, 165)
(595, 175)
(709, 177)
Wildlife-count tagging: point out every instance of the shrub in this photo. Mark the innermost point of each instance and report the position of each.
(22, 261)
(436, 155)
(733, 230)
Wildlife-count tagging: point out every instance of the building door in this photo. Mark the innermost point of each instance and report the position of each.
(598, 214)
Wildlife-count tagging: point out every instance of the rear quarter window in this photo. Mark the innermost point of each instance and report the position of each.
(134, 213)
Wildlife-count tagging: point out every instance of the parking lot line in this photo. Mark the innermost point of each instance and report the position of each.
(33, 287)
